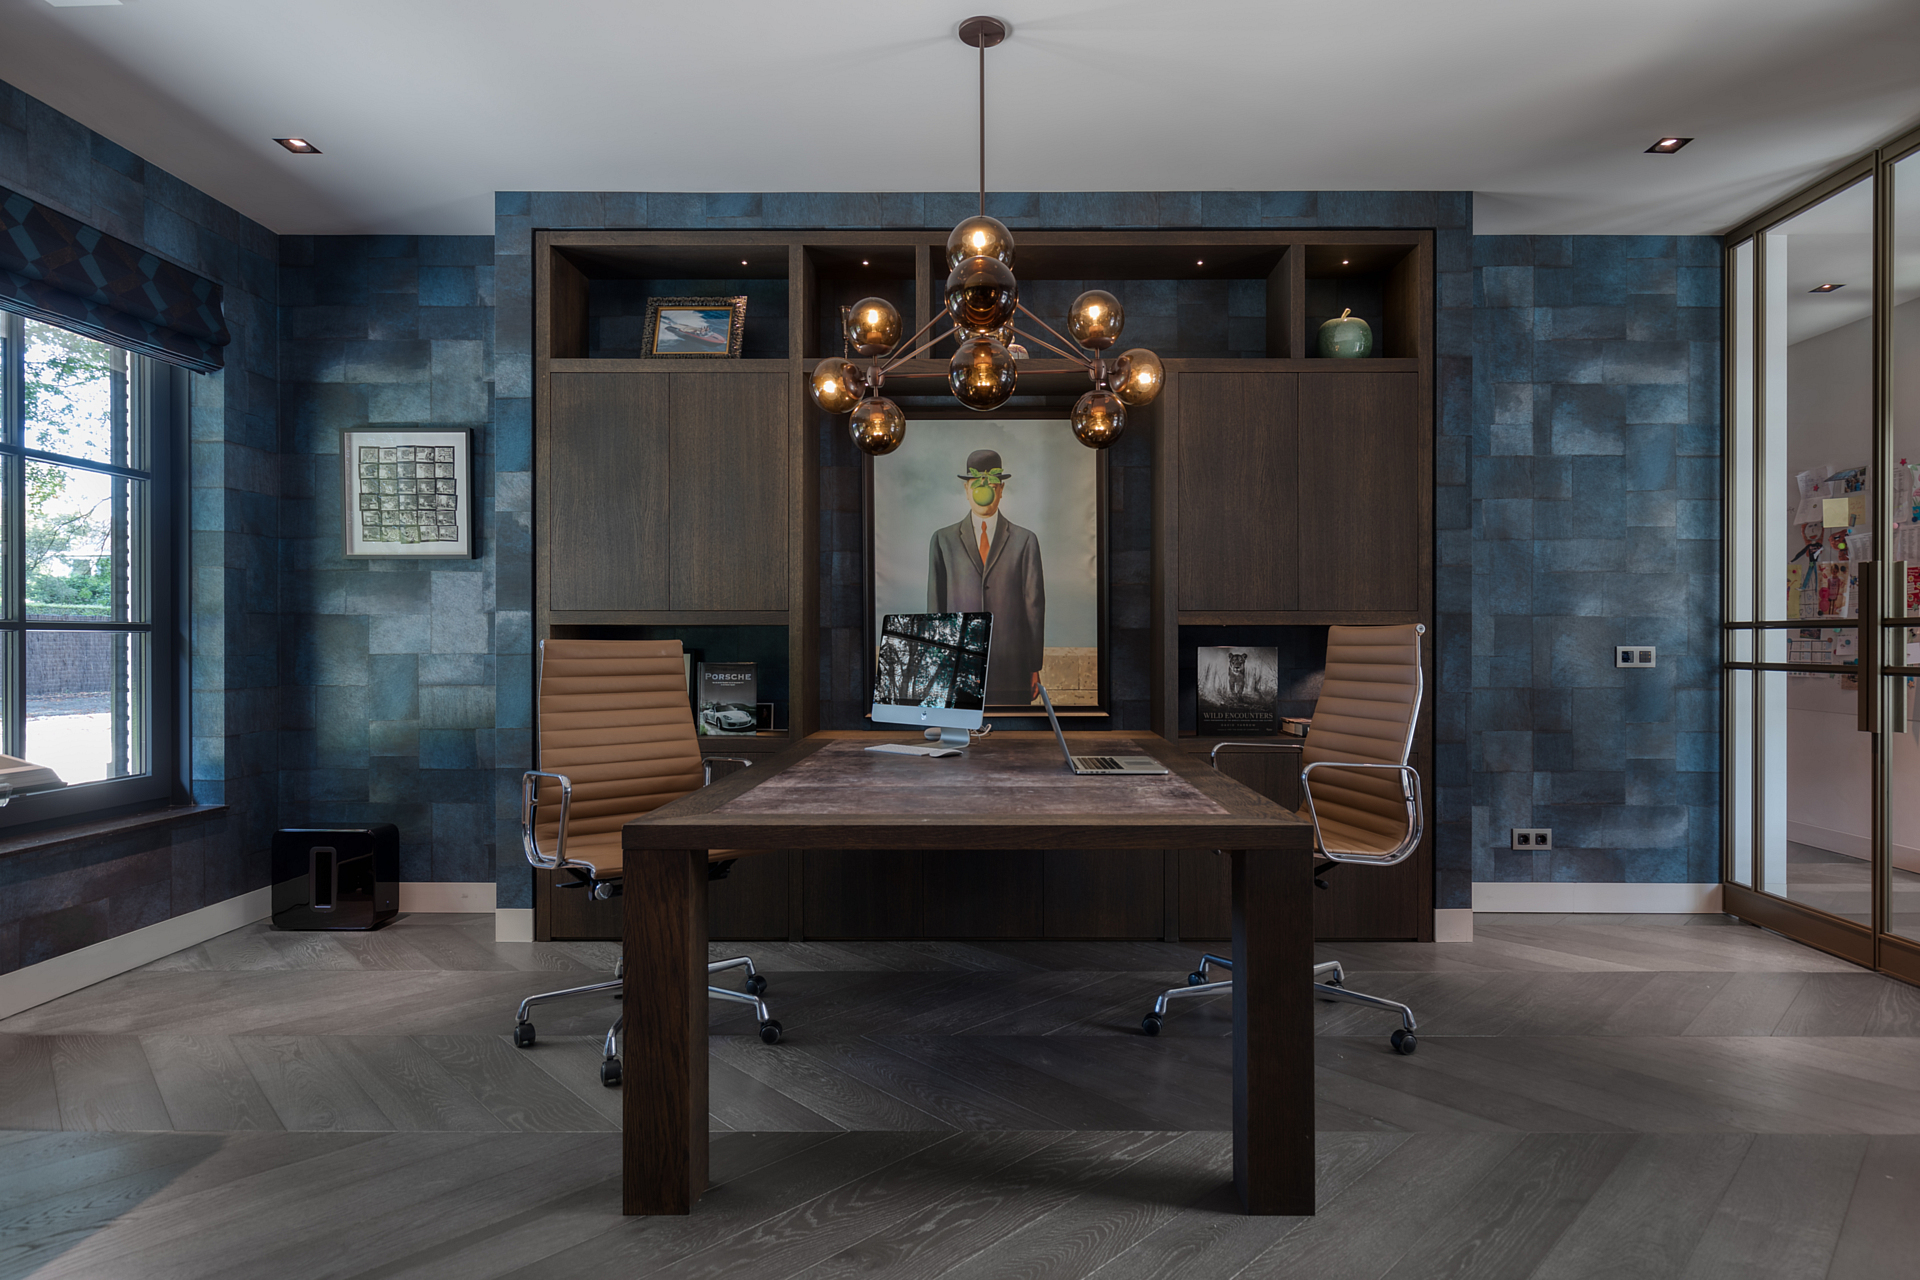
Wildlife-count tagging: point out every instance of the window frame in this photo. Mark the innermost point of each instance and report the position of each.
(158, 391)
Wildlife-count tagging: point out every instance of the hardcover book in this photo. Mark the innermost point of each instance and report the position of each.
(725, 700)
(1238, 690)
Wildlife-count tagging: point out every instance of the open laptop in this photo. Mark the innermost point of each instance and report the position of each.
(1098, 764)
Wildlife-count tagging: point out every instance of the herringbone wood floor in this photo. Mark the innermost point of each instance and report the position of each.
(1593, 1096)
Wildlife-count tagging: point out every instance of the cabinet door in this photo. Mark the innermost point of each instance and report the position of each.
(729, 483)
(607, 507)
(1238, 457)
(1359, 507)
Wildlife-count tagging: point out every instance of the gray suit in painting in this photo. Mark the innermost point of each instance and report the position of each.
(1012, 587)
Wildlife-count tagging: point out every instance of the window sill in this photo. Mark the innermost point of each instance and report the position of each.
(50, 838)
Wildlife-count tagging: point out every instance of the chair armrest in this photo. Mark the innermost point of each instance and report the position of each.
(1213, 755)
(529, 803)
(706, 766)
(1409, 791)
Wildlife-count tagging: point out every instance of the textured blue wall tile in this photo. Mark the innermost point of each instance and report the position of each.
(551, 209)
(442, 749)
(1642, 362)
(446, 287)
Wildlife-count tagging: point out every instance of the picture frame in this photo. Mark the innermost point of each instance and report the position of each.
(386, 514)
(692, 328)
(1055, 493)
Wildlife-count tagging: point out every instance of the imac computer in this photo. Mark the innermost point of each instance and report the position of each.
(930, 671)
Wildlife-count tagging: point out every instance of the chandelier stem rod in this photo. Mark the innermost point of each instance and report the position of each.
(1055, 332)
(1071, 355)
(922, 349)
(982, 38)
(891, 359)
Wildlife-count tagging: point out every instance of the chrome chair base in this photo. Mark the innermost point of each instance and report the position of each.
(523, 1033)
(1332, 989)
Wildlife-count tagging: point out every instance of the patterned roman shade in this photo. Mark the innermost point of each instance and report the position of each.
(64, 272)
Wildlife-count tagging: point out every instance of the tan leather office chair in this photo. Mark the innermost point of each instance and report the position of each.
(1362, 796)
(616, 742)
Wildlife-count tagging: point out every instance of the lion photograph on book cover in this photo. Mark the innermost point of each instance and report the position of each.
(1237, 689)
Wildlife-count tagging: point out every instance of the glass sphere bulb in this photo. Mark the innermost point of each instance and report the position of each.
(837, 385)
(982, 294)
(1003, 335)
(1095, 319)
(1137, 377)
(1098, 419)
(877, 425)
(873, 326)
(981, 374)
(979, 237)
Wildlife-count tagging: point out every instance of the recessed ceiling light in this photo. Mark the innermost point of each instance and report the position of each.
(1344, 262)
(299, 146)
(1199, 262)
(743, 262)
(1667, 146)
(864, 262)
(1826, 288)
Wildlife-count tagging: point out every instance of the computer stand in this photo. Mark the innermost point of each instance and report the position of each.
(948, 736)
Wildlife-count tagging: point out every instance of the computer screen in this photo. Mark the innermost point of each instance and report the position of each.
(931, 668)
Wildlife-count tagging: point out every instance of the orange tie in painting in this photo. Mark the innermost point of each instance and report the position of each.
(983, 543)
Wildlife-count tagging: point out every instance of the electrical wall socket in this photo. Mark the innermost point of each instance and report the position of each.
(1633, 655)
(1532, 838)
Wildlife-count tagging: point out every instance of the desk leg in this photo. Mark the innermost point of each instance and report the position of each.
(1273, 1030)
(663, 1148)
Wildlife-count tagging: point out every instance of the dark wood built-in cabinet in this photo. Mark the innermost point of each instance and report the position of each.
(670, 494)
(1289, 491)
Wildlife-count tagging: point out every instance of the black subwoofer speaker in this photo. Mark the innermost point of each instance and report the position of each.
(336, 877)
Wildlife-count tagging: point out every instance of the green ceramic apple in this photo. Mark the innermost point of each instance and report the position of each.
(1346, 337)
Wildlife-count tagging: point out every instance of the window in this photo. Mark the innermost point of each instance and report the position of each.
(87, 710)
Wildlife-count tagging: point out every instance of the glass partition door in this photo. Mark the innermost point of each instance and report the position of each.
(1822, 761)
(1901, 651)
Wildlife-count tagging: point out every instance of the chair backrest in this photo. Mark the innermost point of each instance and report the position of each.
(1368, 705)
(614, 718)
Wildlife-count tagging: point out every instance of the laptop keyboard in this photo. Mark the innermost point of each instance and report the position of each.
(1096, 762)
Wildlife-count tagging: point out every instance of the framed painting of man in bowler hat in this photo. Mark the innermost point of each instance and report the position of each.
(999, 515)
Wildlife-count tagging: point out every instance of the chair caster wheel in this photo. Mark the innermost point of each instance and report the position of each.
(610, 1073)
(1150, 1024)
(770, 1032)
(1404, 1041)
(1196, 978)
(523, 1036)
(756, 985)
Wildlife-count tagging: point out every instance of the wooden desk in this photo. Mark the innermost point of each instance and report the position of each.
(1010, 792)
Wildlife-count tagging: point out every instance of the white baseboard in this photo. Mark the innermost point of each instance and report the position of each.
(1453, 924)
(513, 924)
(1904, 857)
(433, 895)
(63, 975)
(1606, 899)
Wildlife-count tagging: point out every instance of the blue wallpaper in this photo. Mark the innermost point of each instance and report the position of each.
(1595, 522)
(388, 668)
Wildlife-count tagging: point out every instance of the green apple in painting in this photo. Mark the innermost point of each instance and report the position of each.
(1346, 337)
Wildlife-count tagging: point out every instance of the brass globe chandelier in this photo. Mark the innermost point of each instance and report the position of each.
(982, 300)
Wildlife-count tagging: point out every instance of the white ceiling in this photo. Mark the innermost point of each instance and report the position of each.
(424, 108)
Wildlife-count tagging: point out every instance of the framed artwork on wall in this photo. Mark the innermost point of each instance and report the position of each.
(696, 326)
(1003, 514)
(406, 492)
